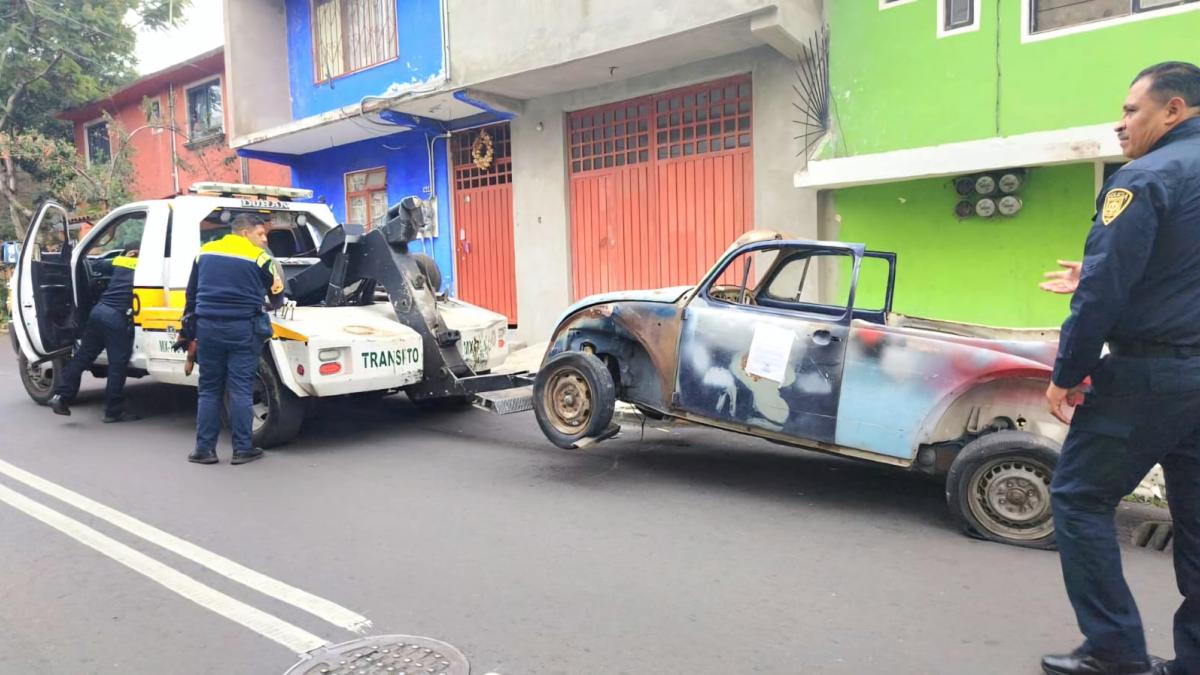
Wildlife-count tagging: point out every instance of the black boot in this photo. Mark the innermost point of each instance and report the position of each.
(59, 405)
(203, 456)
(1077, 663)
(245, 456)
(123, 416)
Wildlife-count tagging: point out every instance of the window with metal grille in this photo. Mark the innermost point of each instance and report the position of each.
(366, 197)
(958, 14)
(494, 166)
(681, 123)
(350, 35)
(1053, 14)
(712, 119)
(99, 149)
(205, 115)
(610, 136)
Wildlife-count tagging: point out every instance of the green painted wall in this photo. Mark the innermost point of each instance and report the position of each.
(975, 270)
(896, 85)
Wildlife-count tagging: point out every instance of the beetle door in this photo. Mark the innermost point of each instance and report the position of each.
(763, 344)
(44, 306)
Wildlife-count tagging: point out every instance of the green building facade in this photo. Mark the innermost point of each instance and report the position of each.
(927, 93)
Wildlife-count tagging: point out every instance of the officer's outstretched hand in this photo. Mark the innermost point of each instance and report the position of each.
(1063, 281)
(1061, 399)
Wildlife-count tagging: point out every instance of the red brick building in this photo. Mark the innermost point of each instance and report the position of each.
(189, 99)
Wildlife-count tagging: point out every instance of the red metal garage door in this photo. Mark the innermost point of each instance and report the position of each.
(659, 185)
(483, 214)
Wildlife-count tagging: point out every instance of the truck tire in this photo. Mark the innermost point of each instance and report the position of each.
(39, 384)
(573, 398)
(276, 413)
(998, 488)
(429, 268)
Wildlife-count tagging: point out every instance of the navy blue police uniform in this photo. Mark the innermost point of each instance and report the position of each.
(225, 295)
(1139, 292)
(109, 328)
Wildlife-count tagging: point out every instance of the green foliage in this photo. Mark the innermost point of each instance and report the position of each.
(57, 54)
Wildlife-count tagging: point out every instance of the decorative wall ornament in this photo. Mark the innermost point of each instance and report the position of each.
(812, 92)
(482, 151)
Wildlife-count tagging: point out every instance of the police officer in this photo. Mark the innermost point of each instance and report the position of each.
(1138, 289)
(229, 282)
(109, 328)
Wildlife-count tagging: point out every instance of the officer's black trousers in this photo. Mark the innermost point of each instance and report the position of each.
(106, 330)
(1141, 411)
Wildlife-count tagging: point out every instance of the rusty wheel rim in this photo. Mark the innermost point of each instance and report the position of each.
(1010, 497)
(568, 401)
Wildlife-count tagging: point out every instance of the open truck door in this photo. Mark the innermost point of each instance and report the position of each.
(45, 328)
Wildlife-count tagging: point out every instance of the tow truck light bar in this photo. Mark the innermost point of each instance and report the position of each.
(230, 189)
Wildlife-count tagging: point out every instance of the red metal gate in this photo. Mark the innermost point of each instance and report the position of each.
(483, 214)
(660, 185)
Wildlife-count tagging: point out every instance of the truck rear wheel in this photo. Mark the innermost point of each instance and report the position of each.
(999, 488)
(276, 413)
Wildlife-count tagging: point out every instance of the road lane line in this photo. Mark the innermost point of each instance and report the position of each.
(296, 639)
(317, 606)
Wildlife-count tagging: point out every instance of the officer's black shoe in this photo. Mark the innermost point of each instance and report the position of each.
(247, 456)
(203, 457)
(59, 405)
(1083, 664)
(1161, 666)
(123, 416)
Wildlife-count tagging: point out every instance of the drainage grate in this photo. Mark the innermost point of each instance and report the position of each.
(385, 655)
(1157, 535)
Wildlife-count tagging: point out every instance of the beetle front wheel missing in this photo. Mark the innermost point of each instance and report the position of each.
(573, 398)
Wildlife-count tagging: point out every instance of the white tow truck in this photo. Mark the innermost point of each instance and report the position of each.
(365, 315)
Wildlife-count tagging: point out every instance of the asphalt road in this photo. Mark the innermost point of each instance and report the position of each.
(683, 551)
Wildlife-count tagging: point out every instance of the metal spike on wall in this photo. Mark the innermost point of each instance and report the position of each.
(812, 92)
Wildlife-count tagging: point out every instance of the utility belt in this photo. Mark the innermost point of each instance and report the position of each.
(1152, 350)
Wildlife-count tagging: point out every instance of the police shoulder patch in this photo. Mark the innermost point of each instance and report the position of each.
(1115, 202)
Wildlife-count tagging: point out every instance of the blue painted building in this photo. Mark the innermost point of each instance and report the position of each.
(347, 134)
(560, 140)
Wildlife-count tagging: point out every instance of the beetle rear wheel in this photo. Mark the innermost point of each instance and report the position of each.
(999, 488)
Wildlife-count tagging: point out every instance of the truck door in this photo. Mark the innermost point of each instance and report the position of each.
(44, 305)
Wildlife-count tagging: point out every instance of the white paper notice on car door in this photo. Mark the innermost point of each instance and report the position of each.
(770, 351)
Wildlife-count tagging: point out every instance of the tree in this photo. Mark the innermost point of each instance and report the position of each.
(57, 54)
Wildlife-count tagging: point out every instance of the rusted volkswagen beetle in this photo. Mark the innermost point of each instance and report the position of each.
(795, 342)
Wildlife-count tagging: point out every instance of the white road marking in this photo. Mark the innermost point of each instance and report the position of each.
(317, 606)
(296, 639)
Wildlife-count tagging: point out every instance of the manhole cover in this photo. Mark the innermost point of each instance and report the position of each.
(385, 655)
(1156, 535)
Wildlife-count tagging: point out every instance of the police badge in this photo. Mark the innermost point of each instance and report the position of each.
(1115, 202)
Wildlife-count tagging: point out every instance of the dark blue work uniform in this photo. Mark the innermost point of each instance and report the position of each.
(109, 328)
(229, 283)
(1139, 291)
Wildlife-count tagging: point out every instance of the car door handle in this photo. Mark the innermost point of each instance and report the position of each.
(824, 337)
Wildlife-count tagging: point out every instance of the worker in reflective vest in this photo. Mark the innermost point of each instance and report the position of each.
(230, 281)
(109, 328)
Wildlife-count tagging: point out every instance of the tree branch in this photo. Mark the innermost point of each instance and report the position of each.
(20, 88)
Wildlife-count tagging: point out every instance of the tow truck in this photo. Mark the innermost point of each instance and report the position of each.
(366, 313)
